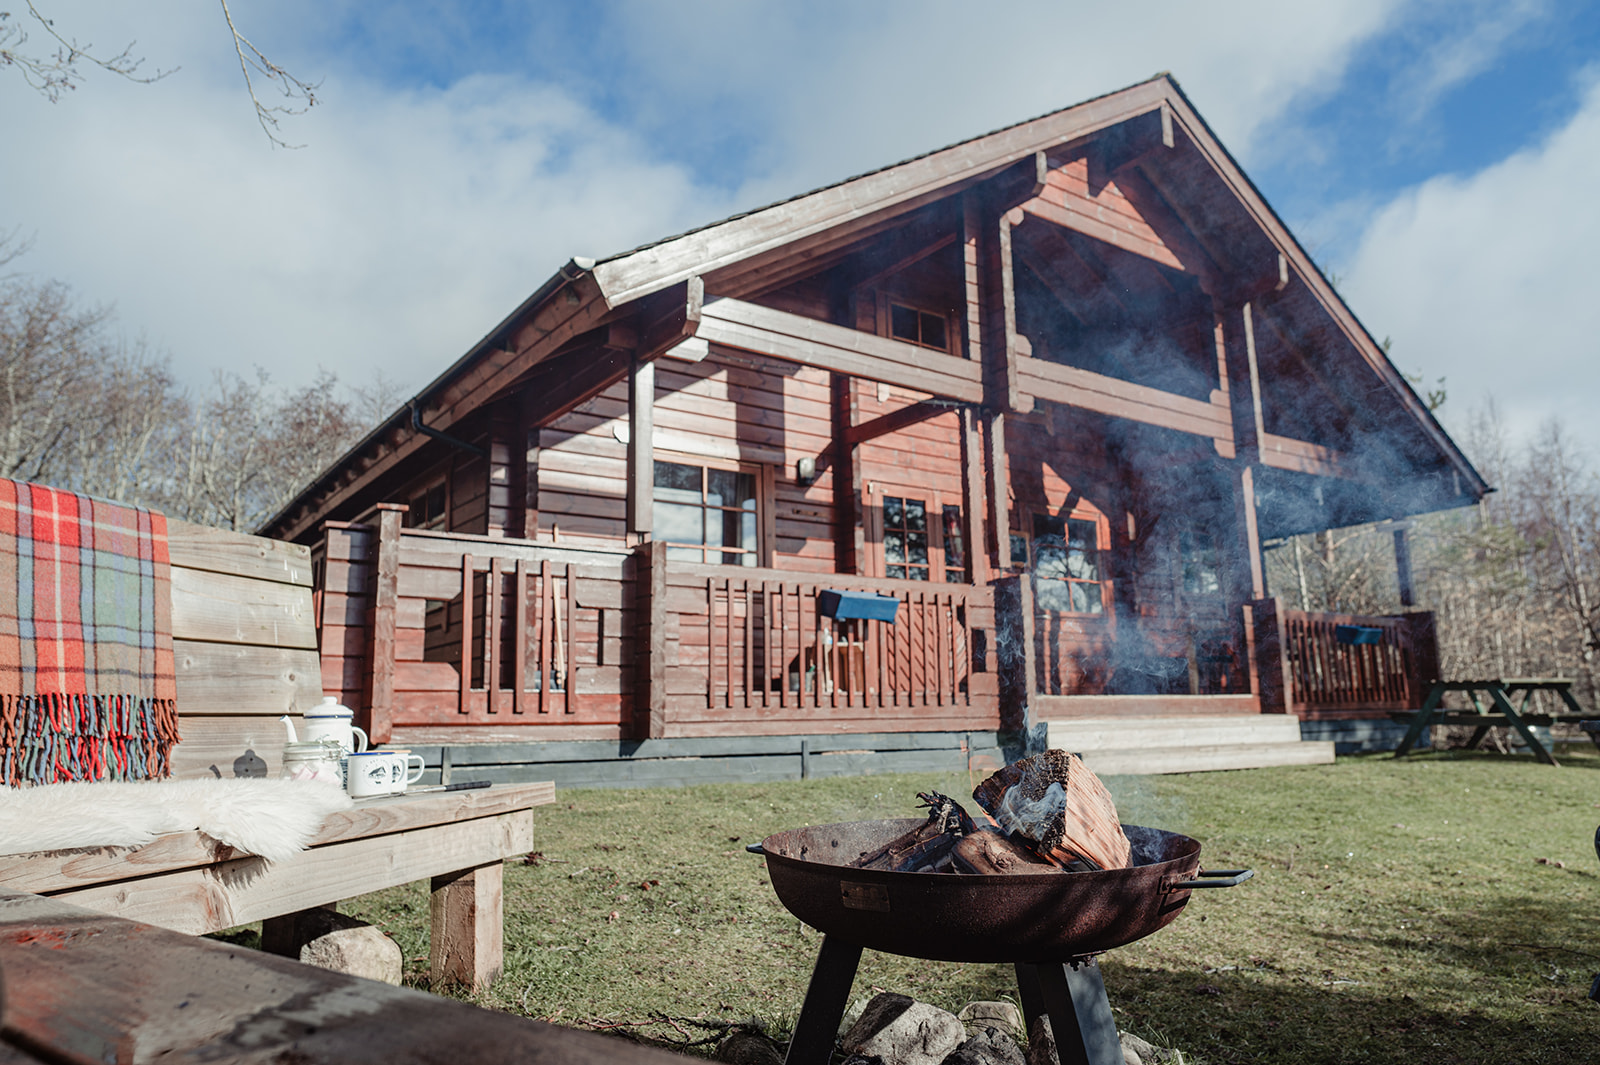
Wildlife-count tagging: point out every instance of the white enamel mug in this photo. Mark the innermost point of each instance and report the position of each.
(405, 768)
(367, 773)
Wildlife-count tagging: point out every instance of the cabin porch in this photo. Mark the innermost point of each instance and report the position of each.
(502, 654)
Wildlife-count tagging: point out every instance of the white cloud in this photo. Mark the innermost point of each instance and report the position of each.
(1488, 279)
(416, 218)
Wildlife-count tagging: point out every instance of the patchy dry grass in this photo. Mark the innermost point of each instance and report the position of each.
(1402, 911)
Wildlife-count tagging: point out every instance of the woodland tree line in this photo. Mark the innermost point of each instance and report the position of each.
(1515, 582)
(83, 408)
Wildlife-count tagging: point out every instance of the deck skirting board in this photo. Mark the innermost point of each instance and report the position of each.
(724, 759)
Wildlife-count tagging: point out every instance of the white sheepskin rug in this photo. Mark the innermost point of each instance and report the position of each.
(272, 818)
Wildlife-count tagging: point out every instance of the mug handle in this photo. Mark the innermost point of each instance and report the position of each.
(361, 744)
(418, 759)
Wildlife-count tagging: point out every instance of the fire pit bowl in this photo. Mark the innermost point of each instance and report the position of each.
(1030, 917)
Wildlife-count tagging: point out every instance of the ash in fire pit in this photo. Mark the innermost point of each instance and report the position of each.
(1043, 814)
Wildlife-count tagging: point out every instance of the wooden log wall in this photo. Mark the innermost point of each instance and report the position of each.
(245, 647)
(731, 408)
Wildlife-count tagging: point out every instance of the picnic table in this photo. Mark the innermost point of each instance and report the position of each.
(188, 882)
(1493, 705)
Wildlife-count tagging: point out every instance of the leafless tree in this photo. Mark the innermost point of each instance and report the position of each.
(60, 66)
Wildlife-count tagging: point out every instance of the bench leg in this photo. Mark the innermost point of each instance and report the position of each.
(467, 943)
(283, 936)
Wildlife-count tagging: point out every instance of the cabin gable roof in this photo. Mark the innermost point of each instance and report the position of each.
(1149, 143)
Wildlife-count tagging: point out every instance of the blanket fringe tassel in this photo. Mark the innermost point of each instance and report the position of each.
(51, 739)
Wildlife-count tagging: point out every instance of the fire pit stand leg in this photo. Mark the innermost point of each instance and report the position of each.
(826, 999)
(1074, 997)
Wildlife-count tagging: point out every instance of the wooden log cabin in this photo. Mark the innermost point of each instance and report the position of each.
(1049, 389)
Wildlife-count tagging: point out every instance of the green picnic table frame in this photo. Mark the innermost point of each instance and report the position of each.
(1498, 711)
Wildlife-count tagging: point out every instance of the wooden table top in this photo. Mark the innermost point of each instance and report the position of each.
(63, 870)
(85, 986)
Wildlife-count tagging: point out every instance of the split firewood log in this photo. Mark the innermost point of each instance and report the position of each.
(991, 852)
(1054, 801)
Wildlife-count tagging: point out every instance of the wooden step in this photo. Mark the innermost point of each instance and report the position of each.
(1197, 759)
(1127, 733)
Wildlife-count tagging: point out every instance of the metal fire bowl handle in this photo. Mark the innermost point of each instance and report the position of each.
(755, 848)
(1209, 878)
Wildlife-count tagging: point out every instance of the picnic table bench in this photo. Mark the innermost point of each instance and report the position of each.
(188, 882)
(82, 986)
(1493, 706)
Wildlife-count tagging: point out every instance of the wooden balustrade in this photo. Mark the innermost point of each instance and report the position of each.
(750, 646)
(1307, 670)
(424, 630)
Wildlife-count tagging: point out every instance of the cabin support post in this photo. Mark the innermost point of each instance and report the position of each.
(650, 654)
(641, 455)
(849, 539)
(1274, 677)
(972, 482)
(1402, 565)
(1015, 653)
(385, 601)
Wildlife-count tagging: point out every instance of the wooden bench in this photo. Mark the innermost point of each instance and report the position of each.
(188, 882)
(80, 986)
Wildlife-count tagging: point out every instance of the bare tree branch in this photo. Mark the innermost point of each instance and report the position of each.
(51, 75)
(303, 97)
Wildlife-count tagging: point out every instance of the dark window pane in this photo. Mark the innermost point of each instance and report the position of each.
(1081, 535)
(894, 514)
(1081, 564)
(436, 502)
(917, 573)
(677, 475)
(1044, 525)
(903, 323)
(917, 548)
(933, 331)
(955, 553)
(895, 571)
(894, 546)
(1019, 549)
(916, 514)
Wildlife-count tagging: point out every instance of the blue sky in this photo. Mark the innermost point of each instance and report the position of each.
(1436, 155)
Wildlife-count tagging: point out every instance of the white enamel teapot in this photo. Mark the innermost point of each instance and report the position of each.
(333, 722)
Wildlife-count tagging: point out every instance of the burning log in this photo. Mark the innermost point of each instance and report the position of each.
(1060, 807)
(990, 852)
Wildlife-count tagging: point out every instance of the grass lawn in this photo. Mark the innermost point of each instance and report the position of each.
(1401, 911)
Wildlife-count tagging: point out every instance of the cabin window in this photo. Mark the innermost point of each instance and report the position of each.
(1066, 565)
(905, 538)
(429, 508)
(1019, 550)
(705, 514)
(1202, 563)
(924, 328)
(955, 550)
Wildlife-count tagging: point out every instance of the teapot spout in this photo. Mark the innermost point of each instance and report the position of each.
(289, 726)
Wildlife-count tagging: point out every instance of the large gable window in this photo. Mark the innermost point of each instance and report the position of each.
(705, 514)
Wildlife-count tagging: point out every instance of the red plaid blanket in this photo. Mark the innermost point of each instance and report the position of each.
(87, 688)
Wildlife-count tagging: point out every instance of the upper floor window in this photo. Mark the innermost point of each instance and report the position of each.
(705, 514)
(955, 546)
(1066, 565)
(917, 326)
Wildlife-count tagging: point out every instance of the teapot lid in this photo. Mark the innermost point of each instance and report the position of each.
(330, 708)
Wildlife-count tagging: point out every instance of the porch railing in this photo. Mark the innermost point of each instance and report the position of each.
(1308, 670)
(745, 645)
(427, 629)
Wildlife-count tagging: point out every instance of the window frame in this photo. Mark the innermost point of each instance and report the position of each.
(1102, 547)
(886, 302)
(763, 495)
